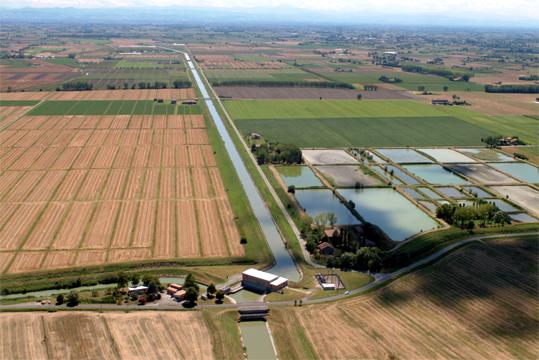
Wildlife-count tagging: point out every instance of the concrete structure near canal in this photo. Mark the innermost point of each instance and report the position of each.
(262, 281)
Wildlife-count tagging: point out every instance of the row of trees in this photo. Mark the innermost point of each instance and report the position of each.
(365, 258)
(520, 89)
(277, 153)
(77, 86)
(84, 85)
(386, 79)
(466, 217)
(436, 70)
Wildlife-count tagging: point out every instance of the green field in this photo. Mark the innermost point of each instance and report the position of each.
(410, 81)
(127, 64)
(303, 109)
(359, 132)
(287, 74)
(342, 123)
(110, 107)
(18, 102)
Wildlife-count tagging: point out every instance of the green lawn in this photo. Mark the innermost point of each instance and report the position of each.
(111, 107)
(360, 132)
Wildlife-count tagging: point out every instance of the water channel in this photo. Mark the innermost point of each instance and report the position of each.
(284, 264)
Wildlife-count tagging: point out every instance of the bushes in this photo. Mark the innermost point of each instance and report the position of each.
(520, 89)
(180, 84)
(77, 86)
(278, 153)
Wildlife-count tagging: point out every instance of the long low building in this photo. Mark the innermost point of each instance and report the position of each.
(262, 281)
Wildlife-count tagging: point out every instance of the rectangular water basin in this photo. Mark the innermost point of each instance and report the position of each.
(321, 201)
(404, 156)
(447, 155)
(298, 176)
(435, 174)
(519, 170)
(391, 211)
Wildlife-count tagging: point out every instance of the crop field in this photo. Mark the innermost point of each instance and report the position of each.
(304, 109)
(531, 152)
(251, 92)
(479, 302)
(287, 74)
(341, 123)
(111, 107)
(29, 98)
(41, 73)
(83, 335)
(88, 190)
(410, 81)
(354, 132)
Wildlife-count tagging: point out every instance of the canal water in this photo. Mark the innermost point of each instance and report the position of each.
(284, 264)
(257, 340)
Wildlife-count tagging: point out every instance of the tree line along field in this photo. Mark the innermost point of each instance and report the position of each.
(342, 123)
(89, 190)
(83, 335)
(410, 81)
(479, 302)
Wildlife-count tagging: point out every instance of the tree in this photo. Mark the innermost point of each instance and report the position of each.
(60, 299)
(359, 96)
(135, 279)
(211, 290)
(446, 87)
(421, 88)
(190, 282)
(292, 189)
(71, 56)
(191, 295)
(332, 219)
(219, 296)
(122, 280)
(73, 299)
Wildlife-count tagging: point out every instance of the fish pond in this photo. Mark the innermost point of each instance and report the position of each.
(446, 155)
(521, 171)
(391, 211)
(435, 174)
(319, 201)
(298, 176)
(404, 156)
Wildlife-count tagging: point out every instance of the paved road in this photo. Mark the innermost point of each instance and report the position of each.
(380, 280)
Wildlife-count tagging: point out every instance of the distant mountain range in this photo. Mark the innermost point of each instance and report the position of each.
(244, 16)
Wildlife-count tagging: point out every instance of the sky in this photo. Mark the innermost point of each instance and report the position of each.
(502, 10)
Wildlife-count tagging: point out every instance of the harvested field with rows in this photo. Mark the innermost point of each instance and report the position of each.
(83, 335)
(89, 190)
(478, 303)
(131, 94)
(252, 92)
